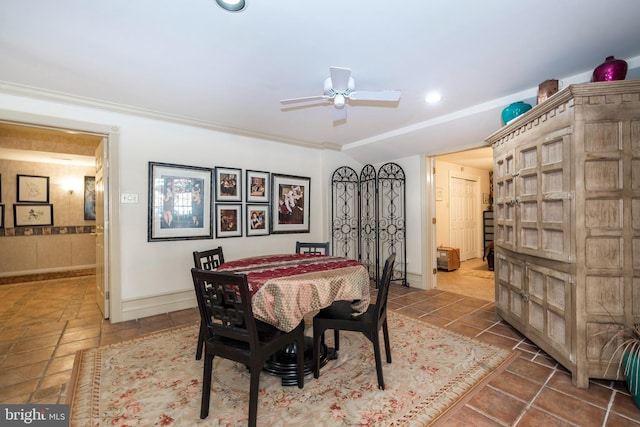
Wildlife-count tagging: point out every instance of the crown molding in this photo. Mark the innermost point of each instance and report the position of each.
(50, 95)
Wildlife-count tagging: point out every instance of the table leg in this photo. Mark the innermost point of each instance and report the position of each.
(284, 363)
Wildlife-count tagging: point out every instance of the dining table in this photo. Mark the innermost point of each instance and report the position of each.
(284, 288)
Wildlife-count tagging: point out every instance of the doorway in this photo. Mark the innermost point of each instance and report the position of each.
(461, 182)
(110, 136)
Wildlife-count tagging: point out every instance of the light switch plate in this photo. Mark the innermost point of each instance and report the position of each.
(128, 197)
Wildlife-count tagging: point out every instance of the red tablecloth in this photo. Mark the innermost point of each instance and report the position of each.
(286, 287)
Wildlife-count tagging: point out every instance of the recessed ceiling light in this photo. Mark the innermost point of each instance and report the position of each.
(231, 5)
(433, 97)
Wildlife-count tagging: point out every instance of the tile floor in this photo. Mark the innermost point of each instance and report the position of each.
(43, 324)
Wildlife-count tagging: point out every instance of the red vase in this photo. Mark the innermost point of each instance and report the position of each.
(610, 69)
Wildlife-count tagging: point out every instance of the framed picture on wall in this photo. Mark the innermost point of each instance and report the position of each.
(228, 185)
(228, 220)
(179, 202)
(90, 197)
(257, 220)
(257, 186)
(1, 216)
(32, 188)
(290, 204)
(32, 214)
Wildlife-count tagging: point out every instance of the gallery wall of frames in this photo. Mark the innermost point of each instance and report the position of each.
(190, 202)
(32, 207)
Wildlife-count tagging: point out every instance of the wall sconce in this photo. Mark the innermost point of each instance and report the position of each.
(70, 185)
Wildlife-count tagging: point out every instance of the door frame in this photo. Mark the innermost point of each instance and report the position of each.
(112, 136)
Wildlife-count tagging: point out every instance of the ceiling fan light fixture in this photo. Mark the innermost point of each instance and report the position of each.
(231, 5)
(339, 100)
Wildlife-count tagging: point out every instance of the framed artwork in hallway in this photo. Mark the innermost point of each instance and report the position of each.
(32, 214)
(33, 188)
(90, 198)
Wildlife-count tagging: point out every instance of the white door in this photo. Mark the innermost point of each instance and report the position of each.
(102, 221)
(464, 214)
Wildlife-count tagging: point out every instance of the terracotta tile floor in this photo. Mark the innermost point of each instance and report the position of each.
(43, 324)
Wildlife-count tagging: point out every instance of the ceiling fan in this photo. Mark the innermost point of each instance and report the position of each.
(340, 88)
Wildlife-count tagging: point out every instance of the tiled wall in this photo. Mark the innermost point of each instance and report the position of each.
(67, 245)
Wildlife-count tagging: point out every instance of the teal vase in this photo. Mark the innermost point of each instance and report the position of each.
(514, 110)
(631, 365)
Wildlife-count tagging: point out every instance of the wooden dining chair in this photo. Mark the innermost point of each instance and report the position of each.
(206, 260)
(233, 333)
(313, 248)
(209, 259)
(338, 316)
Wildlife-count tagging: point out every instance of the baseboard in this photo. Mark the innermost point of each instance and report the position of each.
(415, 281)
(47, 274)
(137, 308)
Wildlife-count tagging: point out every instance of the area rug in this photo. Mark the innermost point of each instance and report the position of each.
(155, 380)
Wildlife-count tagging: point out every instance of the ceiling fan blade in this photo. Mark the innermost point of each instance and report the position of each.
(339, 114)
(340, 78)
(380, 95)
(305, 99)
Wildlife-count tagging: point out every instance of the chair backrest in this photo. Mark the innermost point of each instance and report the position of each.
(225, 305)
(209, 259)
(313, 248)
(383, 290)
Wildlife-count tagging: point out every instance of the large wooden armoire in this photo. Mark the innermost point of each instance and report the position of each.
(567, 223)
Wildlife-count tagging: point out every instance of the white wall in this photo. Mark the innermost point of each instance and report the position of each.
(164, 265)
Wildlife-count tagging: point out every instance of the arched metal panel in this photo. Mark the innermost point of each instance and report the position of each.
(368, 217)
(344, 213)
(369, 222)
(392, 218)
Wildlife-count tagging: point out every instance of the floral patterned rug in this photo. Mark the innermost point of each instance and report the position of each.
(156, 380)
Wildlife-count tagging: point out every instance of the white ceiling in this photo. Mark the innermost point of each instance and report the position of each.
(191, 59)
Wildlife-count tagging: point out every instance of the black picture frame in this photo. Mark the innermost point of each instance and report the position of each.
(257, 219)
(228, 220)
(90, 198)
(32, 189)
(228, 184)
(1, 216)
(290, 203)
(32, 214)
(179, 202)
(258, 186)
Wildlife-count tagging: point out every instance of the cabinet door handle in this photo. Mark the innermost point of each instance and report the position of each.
(525, 296)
